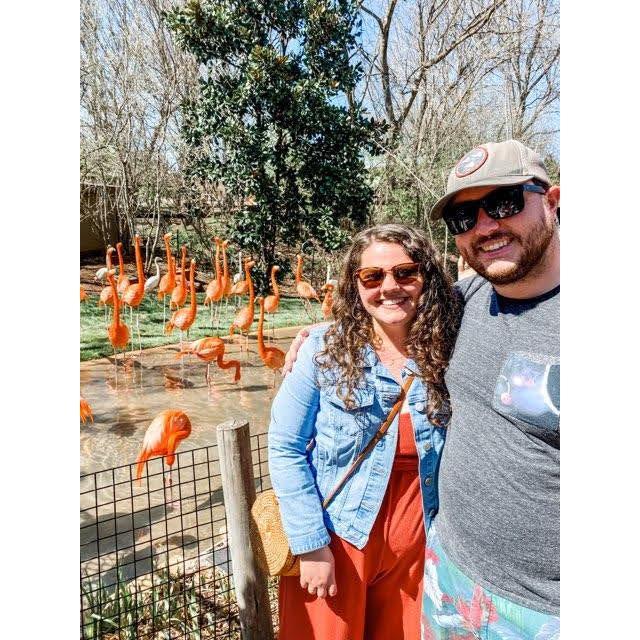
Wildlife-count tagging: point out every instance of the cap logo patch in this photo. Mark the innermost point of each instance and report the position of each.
(471, 162)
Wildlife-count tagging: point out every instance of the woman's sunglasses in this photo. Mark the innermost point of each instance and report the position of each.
(500, 203)
(372, 277)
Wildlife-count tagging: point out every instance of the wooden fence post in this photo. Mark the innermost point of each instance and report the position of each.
(236, 468)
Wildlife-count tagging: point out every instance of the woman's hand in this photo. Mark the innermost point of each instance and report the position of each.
(317, 572)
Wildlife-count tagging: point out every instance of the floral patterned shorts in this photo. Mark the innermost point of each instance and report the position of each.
(454, 607)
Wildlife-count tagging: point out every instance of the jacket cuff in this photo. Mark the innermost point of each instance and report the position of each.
(309, 542)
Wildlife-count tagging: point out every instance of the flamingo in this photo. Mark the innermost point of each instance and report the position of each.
(153, 281)
(226, 280)
(106, 295)
(162, 438)
(101, 274)
(135, 292)
(168, 280)
(85, 411)
(210, 349)
(185, 317)
(215, 289)
(117, 331)
(244, 318)
(327, 302)
(123, 281)
(304, 289)
(271, 303)
(83, 294)
(240, 286)
(179, 294)
(271, 356)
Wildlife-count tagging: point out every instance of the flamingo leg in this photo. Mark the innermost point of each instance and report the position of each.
(164, 310)
(138, 328)
(168, 482)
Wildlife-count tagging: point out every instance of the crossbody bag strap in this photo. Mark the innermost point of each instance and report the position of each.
(372, 443)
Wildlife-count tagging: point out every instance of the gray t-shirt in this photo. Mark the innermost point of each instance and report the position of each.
(499, 482)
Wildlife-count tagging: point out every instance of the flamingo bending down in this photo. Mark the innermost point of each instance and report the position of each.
(117, 331)
(304, 289)
(179, 294)
(271, 356)
(185, 317)
(123, 281)
(152, 282)
(244, 318)
(215, 289)
(85, 411)
(83, 294)
(210, 350)
(327, 302)
(162, 438)
(135, 292)
(101, 274)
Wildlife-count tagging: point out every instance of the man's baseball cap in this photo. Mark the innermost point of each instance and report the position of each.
(493, 163)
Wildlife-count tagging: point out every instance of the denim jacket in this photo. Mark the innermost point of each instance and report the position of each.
(305, 411)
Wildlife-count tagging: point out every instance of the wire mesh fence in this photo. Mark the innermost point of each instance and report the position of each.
(154, 554)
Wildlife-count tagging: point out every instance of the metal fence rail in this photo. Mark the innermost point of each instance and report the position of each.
(154, 554)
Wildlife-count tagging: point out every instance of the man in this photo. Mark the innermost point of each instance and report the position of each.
(492, 558)
(492, 562)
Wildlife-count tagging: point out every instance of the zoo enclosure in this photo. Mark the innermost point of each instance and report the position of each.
(154, 557)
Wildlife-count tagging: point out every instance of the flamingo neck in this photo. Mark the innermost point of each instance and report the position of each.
(120, 264)
(116, 302)
(217, 265)
(247, 272)
(274, 283)
(192, 290)
(225, 266)
(261, 349)
(299, 271)
(139, 267)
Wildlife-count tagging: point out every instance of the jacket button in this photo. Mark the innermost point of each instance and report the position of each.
(420, 407)
(427, 481)
(426, 446)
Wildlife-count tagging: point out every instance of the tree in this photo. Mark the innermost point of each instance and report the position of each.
(273, 122)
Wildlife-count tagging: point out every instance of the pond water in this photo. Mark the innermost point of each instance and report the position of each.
(124, 402)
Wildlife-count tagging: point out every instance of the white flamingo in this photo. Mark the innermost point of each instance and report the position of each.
(152, 283)
(101, 274)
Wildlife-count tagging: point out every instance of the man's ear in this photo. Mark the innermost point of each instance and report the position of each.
(553, 197)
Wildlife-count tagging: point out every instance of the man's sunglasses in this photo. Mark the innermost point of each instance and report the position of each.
(371, 277)
(500, 203)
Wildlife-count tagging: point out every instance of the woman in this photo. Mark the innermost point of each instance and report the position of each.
(395, 313)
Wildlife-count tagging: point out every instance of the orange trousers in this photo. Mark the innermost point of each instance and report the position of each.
(380, 586)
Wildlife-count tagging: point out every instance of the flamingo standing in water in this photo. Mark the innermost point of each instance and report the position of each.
(271, 356)
(117, 331)
(327, 302)
(168, 280)
(162, 438)
(185, 317)
(271, 303)
(244, 318)
(135, 292)
(179, 294)
(106, 295)
(123, 281)
(210, 350)
(304, 289)
(85, 411)
(215, 289)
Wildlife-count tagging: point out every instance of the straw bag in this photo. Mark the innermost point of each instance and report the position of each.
(270, 543)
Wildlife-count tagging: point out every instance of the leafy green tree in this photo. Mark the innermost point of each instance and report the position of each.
(274, 122)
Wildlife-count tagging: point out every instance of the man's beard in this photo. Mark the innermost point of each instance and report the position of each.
(534, 246)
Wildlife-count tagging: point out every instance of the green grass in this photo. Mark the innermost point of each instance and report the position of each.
(93, 328)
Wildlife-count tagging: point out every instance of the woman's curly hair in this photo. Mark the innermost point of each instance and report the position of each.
(433, 331)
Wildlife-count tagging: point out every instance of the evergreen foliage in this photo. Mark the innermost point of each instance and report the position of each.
(273, 123)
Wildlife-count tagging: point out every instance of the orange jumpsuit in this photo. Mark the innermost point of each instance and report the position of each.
(380, 586)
